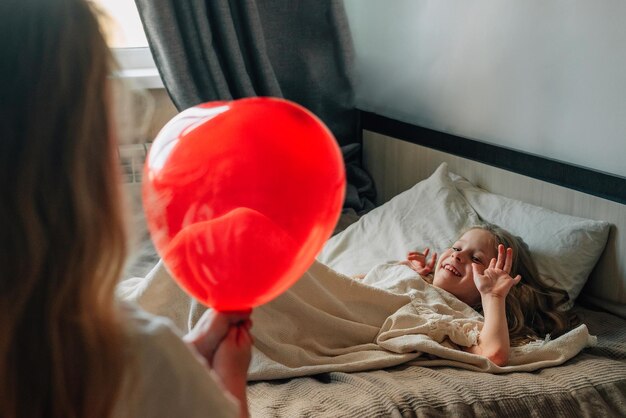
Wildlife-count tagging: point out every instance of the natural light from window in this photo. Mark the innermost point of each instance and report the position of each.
(122, 25)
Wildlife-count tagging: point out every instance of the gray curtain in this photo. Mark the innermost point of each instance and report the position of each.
(300, 50)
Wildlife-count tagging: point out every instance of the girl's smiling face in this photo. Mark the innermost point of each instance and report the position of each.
(454, 272)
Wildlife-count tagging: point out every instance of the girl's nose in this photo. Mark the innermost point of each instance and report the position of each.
(459, 255)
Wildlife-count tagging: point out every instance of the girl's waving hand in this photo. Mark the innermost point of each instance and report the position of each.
(420, 263)
(496, 280)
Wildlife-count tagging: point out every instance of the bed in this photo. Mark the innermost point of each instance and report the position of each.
(579, 229)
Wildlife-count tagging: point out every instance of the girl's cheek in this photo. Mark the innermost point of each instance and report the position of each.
(480, 269)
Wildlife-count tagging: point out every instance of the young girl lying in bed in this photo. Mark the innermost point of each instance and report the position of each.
(492, 271)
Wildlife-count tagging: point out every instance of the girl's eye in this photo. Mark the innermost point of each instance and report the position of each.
(477, 260)
(456, 249)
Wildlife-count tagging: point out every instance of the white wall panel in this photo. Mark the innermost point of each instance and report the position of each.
(541, 76)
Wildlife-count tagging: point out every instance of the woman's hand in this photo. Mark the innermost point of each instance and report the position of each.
(418, 262)
(212, 328)
(232, 357)
(496, 279)
(231, 361)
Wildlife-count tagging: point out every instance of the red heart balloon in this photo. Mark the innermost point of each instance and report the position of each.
(240, 197)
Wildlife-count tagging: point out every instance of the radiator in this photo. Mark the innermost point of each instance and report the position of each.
(132, 158)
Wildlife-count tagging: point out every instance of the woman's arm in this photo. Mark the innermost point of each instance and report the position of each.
(494, 284)
(224, 340)
(231, 362)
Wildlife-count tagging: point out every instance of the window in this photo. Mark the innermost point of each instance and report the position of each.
(122, 24)
(126, 37)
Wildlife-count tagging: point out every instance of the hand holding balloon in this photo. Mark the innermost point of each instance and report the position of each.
(211, 329)
(240, 197)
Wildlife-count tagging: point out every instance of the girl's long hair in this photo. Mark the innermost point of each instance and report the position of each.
(63, 238)
(533, 309)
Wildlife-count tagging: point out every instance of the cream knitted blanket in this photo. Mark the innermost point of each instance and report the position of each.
(330, 322)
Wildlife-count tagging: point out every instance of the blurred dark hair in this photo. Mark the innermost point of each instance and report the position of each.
(64, 241)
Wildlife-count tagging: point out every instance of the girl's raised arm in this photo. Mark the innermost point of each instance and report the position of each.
(494, 284)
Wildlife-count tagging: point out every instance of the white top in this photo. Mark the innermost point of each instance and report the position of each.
(172, 380)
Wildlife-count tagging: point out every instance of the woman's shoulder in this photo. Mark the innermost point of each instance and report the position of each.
(169, 377)
(142, 325)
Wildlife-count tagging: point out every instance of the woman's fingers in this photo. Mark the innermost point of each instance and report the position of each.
(233, 317)
(247, 324)
(243, 337)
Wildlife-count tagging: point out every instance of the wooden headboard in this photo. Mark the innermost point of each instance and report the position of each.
(398, 155)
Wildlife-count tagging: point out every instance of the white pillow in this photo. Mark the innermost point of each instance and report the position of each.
(435, 211)
(430, 214)
(565, 248)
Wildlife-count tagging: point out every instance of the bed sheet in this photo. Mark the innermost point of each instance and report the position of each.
(593, 384)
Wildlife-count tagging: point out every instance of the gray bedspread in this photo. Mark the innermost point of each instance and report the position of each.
(592, 384)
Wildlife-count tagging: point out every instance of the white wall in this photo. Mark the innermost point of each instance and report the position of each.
(542, 76)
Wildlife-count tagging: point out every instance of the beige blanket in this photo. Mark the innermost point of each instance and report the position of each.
(330, 322)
